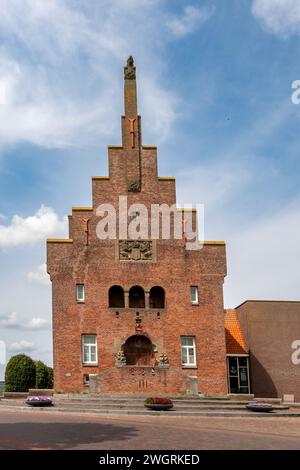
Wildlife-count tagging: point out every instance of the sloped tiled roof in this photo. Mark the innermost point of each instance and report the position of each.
(235, 342)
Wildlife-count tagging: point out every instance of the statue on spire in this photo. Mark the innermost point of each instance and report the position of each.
(129, 69)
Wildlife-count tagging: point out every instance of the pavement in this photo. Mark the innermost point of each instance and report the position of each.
(37, 429)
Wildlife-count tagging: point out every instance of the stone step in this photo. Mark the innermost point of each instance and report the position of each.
(196, 401)
(132, 406)
(223, 414)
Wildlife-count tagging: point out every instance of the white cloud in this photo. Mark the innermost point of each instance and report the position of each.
(21, 346)
(263, 260)
(62, 77)
(191, 18)
(39, 276)
(280, 17)
(37, 323)
(11, 321)
(31, 229)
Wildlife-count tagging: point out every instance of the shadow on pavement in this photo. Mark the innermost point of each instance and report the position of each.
(30, 435)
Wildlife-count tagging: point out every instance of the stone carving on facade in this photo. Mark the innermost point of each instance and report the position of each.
(135, 250)
(129, 69)
(163, 360)
(120, 359)
(134, 186)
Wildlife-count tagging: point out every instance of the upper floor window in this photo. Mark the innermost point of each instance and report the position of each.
(136, 297)
(116, 297)
(194, 295)
(89, 349)
(80, 292)
(157, 297)
(188, 351)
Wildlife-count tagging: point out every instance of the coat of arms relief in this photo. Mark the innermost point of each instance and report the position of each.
(135, 250)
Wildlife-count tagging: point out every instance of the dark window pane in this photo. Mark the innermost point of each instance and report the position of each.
(234, 385)
(243, 376)
(233, 370)
(243, 361)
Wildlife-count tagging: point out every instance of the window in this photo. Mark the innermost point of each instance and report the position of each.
(86, 379)
(136, 297)
(80, 292)
(89, 349)
(238, 374)
(194, 295)
(116, 297)
(157, 297)
(188, 351)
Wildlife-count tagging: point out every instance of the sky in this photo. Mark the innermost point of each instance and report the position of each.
(215, 93)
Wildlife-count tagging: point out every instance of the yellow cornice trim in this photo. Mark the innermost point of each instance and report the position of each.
(115, 146)
(59, 240)
(166, 178)
(186, 209)
(100, 177)
(81, 209)
(153, 147)
(220, 242)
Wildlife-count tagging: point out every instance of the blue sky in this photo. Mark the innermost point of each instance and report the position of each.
(214, 84)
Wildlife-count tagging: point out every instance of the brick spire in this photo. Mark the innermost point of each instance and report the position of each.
(131, 129)
(130, 94)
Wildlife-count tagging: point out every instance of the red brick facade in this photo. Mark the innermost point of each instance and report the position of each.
(85, 259)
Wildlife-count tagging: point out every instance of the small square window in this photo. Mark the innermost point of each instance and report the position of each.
(80, 292)
(86, 379)
(194, 295)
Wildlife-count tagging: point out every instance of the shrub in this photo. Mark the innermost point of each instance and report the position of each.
(19, 374)
(50, 377)
(42, 375)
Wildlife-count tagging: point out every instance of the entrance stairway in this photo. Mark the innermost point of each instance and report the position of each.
(124, 405)
(184, 406)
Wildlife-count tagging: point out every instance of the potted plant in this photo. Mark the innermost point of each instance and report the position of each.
(159, 404)
(39, 401)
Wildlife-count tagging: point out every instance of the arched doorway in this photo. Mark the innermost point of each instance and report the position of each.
(138, 350)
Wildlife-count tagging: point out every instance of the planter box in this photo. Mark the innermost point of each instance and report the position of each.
(158, 407)
(260, 407)
(39, 401)
(14, 395)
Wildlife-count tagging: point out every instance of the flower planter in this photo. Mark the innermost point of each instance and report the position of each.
(39, 401)
(158, 404)
(260, 407)
(158, 407)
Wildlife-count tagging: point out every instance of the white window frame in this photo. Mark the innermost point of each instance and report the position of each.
(196, 301)
(78, 298)
(89, 346)
(187, 347)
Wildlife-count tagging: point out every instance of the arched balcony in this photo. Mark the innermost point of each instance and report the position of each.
(157, 297)
(136, 297)
(116, 297)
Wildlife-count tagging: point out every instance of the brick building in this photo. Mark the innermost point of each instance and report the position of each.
(141, 315)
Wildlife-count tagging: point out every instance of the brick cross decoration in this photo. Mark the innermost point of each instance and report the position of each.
(132, 121)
